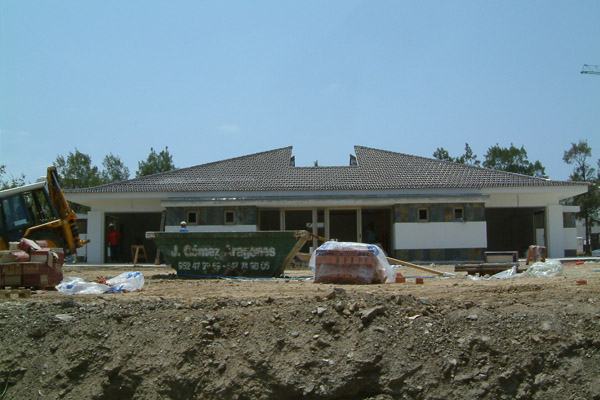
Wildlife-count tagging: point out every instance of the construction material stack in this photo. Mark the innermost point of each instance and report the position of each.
(31, 264)
(351, 263)
(347, 267)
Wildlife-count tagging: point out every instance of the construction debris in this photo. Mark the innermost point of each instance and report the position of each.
(28, 264)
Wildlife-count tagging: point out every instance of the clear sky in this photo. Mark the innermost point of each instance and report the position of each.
(220, 79)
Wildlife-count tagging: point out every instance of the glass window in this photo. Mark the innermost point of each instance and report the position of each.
(423, 214)
(15, 210)
(192, 217)
(459, 214)
(29, 203)
(229, 216)
(42, 207)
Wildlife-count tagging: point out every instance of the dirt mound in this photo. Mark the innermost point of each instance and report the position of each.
(529, 338)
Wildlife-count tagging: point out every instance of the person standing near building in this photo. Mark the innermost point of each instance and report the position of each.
(184, 227)
(114, 241)
(369, 235)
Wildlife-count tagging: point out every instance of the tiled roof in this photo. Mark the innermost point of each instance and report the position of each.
(374, 170)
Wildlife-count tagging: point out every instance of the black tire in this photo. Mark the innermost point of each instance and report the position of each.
(49, 237)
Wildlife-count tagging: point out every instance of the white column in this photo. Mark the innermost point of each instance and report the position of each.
(359, 237)
(326, 217)
(555, 239)
(96, 236)
(315, 228)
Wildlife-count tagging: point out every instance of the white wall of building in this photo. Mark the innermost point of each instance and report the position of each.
(440, 235)
(570, 237)
(95, 249)
(555, 233)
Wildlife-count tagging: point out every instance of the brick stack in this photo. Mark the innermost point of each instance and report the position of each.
(31, 264)
(347, 267)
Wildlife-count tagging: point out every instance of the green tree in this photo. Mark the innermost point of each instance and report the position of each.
(468, 157)
(589, 203)
(513, 159)
(578, 156)
(77, 171)
(442, 154)
(155, 163)
(114, 169)
(10, 181)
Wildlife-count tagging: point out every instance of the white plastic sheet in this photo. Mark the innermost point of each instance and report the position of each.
(71, 285)
(509, 273)
(125, 282)
(548, 269)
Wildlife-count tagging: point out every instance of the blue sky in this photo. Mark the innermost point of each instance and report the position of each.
(219, 79)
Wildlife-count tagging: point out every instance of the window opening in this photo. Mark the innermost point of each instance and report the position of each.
(229, 216)
(459, 214)
(423, 214)
(192, 217)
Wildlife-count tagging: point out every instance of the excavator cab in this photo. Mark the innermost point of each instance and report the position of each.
(39, 211)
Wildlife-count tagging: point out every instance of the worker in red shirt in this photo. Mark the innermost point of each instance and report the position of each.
(114, 239)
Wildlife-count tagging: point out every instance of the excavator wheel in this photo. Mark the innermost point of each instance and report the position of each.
(49, 237)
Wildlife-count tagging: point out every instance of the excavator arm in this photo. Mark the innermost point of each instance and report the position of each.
(66, 214)
(56, 194)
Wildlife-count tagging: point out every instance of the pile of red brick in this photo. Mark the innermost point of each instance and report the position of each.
(31, 264)
(347, 267)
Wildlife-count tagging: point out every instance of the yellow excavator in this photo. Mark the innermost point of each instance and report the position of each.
(39, 211)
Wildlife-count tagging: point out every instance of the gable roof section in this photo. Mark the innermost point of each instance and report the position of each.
(375, 170)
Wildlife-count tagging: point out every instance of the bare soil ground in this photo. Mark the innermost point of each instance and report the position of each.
(449, 338)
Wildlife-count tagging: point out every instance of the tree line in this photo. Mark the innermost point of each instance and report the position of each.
(77, 170)
(510, 159)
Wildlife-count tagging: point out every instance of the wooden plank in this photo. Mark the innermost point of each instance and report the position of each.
(411, 265)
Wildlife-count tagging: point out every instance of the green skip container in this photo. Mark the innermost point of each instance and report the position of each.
(260, 254)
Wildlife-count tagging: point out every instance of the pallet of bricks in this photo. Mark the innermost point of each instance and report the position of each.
(347, 267)
(30, 264)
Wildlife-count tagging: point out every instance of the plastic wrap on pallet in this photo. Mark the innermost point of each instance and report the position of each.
(351, 263)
